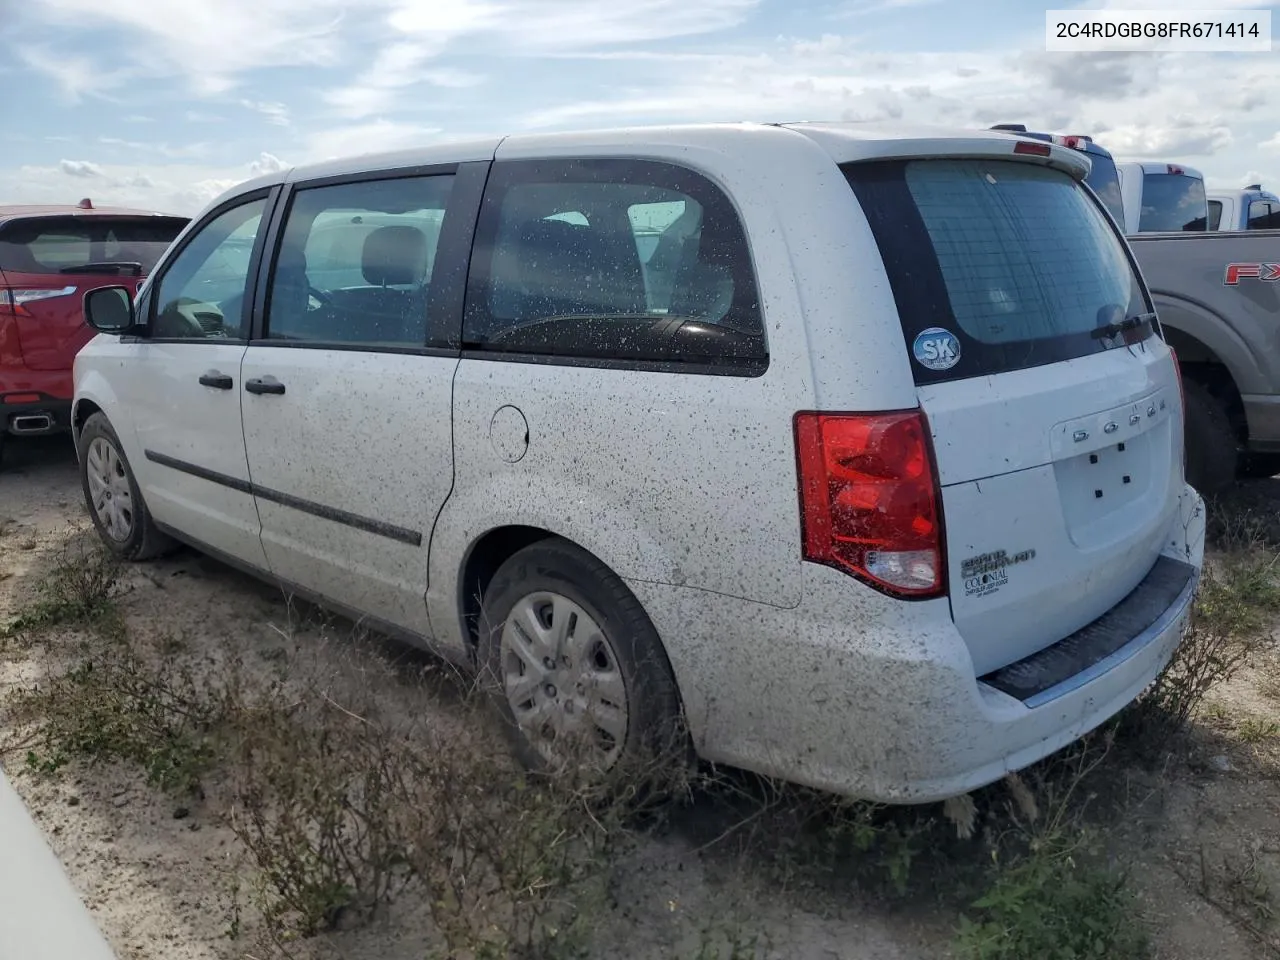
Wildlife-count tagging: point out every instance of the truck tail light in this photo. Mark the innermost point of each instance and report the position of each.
(1034, 149)
(869, 499)
(13, 300)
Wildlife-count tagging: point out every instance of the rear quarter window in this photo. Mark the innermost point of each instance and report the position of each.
(1014, 261)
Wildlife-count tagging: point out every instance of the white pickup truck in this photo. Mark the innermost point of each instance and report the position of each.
(1249, 209)
(1217, 298)
(1162, 197)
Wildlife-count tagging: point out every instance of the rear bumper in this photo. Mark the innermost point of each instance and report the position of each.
(861, 695)
(42, 415)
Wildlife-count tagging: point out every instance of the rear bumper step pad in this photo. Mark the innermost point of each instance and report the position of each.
(1094, 649)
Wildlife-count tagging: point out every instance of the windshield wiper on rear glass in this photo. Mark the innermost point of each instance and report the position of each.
(1109, 330)
(132, 267)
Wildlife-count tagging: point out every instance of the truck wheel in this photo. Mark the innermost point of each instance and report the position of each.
(1212, 450)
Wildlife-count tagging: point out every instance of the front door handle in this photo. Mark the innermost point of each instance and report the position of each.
(216, 379)
(264, 385)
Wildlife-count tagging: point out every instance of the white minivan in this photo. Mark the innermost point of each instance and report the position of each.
(852, 456)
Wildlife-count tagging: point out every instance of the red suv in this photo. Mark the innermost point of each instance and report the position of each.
(50, 257)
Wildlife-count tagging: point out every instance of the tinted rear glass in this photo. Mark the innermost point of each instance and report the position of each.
(1014, 262)
(1172, 202)
(1105, 182)
(112, 246)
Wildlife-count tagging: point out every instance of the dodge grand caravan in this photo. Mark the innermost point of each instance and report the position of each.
(856, 455)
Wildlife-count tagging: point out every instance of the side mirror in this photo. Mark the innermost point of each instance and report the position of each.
(109, 309)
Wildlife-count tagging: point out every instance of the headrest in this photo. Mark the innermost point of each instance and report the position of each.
(395, 255)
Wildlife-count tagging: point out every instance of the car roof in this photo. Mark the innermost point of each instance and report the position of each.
(846, 142)
(18, 211)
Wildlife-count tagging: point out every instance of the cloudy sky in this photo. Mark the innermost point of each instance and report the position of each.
(164, 103)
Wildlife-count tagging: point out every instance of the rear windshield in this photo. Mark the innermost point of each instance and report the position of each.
(114, 246)
(1172, 202)
(1105, 182)
(997, 265)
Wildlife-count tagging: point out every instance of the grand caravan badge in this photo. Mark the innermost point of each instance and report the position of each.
(988, 572)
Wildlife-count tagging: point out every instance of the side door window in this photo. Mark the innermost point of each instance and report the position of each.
(1215, 214)
(201, 295)
(1263, 215)
(613, 261)
(355, 263)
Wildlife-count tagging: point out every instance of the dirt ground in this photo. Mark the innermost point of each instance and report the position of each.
(1201, 836)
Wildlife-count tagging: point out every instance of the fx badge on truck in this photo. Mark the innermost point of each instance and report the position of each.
(1251, 271)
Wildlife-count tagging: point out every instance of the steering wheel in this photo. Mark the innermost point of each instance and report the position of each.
(324, 298)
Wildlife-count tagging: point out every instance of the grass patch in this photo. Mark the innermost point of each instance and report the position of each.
(1231, 623)
(1055, 901)
(80, 589)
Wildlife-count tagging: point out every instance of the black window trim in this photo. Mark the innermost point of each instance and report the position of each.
(453, 255)
(486, 224)
(147, 307)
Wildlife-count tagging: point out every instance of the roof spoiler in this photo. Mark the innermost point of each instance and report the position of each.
(1012, 127)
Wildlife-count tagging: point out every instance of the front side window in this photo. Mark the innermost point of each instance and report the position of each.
(355, 263)
(624, 260)
(201, 294)
(1172, 202)
(1264, 215)
(1013, 259)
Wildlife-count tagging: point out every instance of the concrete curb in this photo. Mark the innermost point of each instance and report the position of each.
(41, 915)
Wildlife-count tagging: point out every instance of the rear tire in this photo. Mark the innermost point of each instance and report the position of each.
(1212, 449)
(111, 493)
(576, 669)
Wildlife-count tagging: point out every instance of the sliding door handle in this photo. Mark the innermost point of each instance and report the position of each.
(262, 385)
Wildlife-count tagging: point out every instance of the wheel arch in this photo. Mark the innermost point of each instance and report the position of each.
(493, 548)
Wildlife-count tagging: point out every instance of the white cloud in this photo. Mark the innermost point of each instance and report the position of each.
(267, 163)
(376, 136)
(211, 42)
(79, 168)
(1271, 143)
(276, 113)
(862, 8)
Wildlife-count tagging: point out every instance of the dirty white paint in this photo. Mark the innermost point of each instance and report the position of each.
(41, 915)
(685, 485)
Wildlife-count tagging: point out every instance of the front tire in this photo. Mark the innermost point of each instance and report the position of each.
(576, 668)
(111, 493)
(1212, 448)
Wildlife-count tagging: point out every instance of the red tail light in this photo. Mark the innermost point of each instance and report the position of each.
(869, 500)
(1035, 149)
(13, 301)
